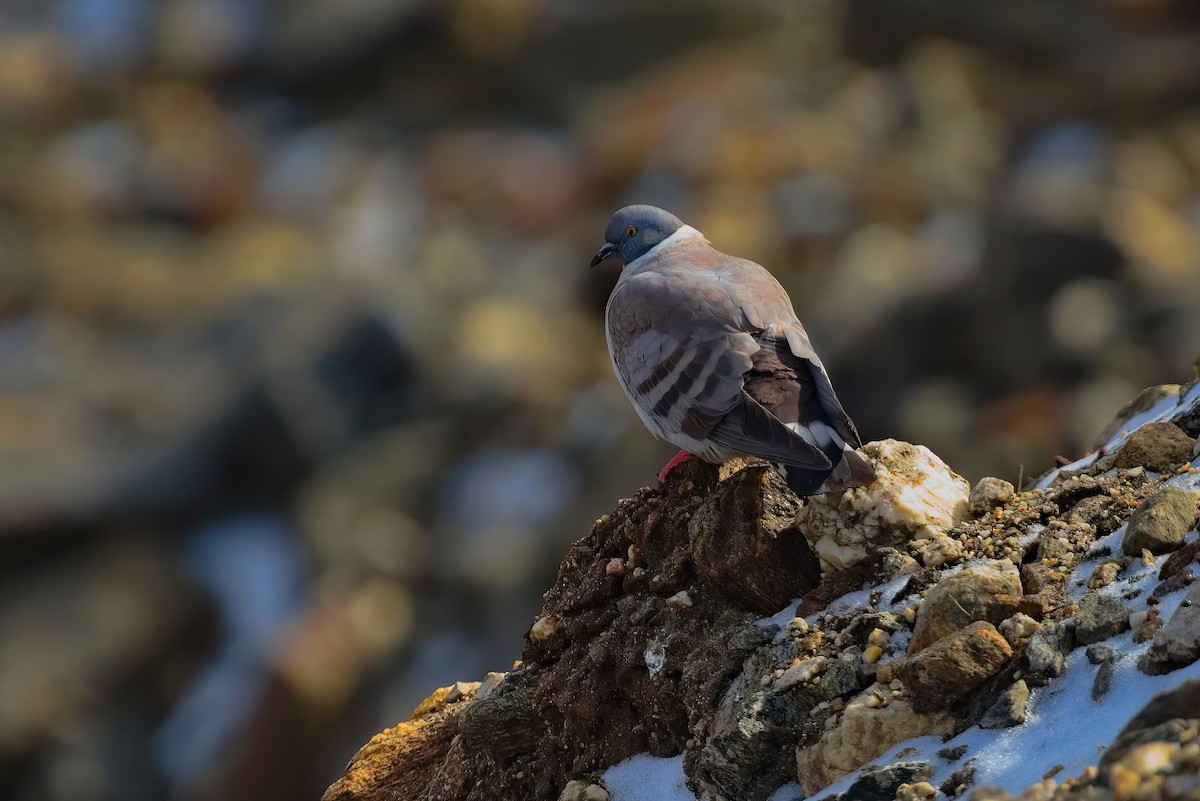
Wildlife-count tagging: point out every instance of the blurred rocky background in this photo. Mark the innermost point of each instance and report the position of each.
(303, 385)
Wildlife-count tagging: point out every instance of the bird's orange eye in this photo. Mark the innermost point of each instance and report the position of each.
(631, 230)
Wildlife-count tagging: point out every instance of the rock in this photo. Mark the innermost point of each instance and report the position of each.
(990, 793)
(914, 496)
(755, 636)
(680, 600)
(952, 667)
(958, 781)
(1048, 648)
(1160, 447)
(744, 540)
(1018, 628)
(803, 671)
(403, 759)
(962, 598)
(490, 682)
(1104, 679)
(753, 725)
(573, 791)
(1009, 708)
(1098, 653)
(895, 563)
(918, 791)
(1179, 560)
(460, 690)
(1100, 617)
(989, 493)
(1178, 642)
(1104, 574)
(543, 628)
(1166, 718)
(884, 784)
(1160, 523)
(578, 790)
(862, 733)
(1147, 399)
(1175, 583)
(1145, 629)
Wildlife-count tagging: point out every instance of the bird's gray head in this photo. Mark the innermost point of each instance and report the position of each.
(634, 230)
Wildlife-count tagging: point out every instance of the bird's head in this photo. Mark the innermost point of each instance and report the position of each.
(633, 230)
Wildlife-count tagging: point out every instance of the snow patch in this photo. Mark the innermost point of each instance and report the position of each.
(648, 778)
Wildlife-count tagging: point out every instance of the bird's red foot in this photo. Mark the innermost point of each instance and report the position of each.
(679, 459)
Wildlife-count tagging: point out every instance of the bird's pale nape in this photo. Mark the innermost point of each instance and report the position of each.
(712, 356)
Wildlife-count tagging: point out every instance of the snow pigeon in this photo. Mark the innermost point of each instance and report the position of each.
(709, 350)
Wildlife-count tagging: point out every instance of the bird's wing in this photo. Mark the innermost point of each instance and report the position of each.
(788, 377)
(682, 346)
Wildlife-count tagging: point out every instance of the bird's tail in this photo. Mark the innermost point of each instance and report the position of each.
(850, 470)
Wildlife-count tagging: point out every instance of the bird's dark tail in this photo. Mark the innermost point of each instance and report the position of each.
(850, 470)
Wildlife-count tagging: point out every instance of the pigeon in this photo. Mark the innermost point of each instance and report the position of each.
(712, 356)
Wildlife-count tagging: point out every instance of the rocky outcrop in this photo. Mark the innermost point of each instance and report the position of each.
(641, 636)
(923, 609)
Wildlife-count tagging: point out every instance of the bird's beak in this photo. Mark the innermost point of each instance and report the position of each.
(606, 250)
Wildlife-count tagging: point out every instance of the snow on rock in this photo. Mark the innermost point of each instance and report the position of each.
(914, 499)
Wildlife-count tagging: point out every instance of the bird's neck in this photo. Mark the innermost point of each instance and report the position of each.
(683, 234)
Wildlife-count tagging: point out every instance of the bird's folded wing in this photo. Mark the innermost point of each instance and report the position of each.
(682, 358)
(797, 339)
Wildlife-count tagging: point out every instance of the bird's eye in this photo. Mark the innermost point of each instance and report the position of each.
(631, 230)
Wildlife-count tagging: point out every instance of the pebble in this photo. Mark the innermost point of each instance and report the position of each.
(615, 567)
(1019, 627)
(871, 654)
(878, 637)
(543, 628)
(1104, 575)
(489, 684)
(989, 493)
(919, 791)
(680, 600)
(801, 672)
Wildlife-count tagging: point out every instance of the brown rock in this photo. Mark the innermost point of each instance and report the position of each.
(745, 542)
(962, 598)
(1179, 560)
(949, 669)
(1160, 447)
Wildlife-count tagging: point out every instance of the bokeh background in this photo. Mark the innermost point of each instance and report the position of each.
(303, 389)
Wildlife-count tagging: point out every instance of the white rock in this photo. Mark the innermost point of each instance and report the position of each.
(802, 671)
(914, 496)
(679, 600)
